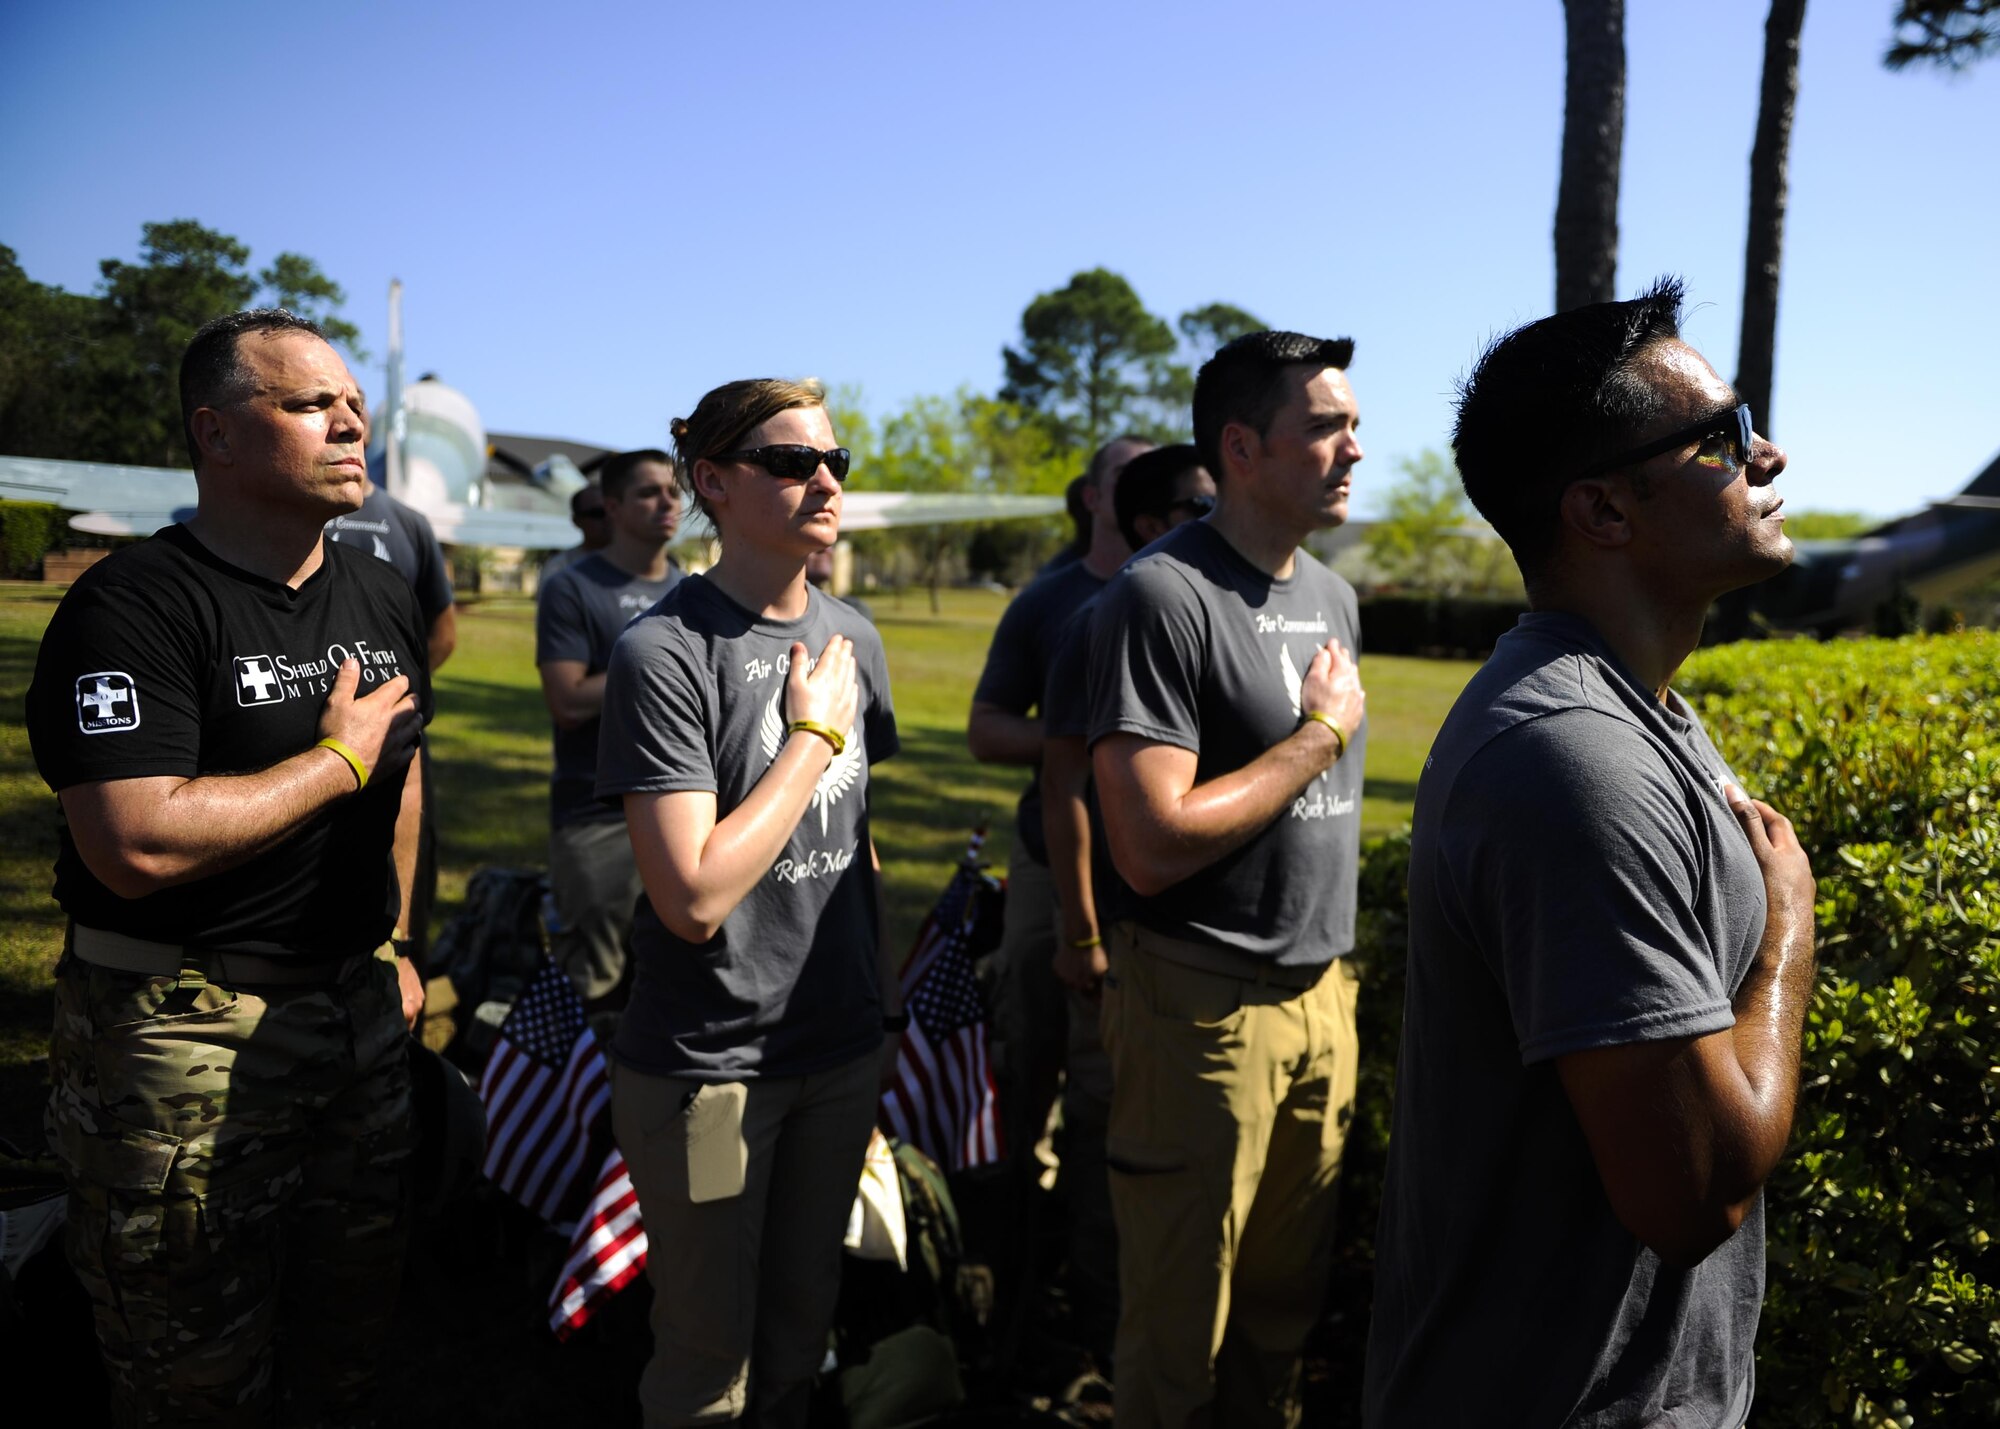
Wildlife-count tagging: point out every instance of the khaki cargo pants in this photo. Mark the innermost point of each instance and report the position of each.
(235, 1164)
(1230, 1105)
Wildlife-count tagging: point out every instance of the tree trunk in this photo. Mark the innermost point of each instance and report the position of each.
(1756, 350)
(1593, 135)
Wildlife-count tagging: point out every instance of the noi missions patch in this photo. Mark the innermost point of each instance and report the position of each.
(106, 702)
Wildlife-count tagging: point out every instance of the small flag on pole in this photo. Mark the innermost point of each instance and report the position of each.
(546, 1093)
(607, 1254)
(943, 1099)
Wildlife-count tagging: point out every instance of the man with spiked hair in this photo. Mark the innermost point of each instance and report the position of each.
(1611, 944)
(1226, 734)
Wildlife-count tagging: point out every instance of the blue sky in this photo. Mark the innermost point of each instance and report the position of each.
(600, 211)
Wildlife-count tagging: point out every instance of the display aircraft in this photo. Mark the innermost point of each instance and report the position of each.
(428, 448)
(1934, 555)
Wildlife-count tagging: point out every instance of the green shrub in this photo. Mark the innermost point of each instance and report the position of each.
(1884, 1296)
(1883, 1305)
(28, 530)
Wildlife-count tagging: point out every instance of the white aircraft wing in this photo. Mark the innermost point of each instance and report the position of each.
(112, 500)
(138, 500)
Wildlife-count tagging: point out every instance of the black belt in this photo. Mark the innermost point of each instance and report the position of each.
(124, 954)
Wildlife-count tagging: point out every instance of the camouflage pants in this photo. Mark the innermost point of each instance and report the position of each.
(236, 1201)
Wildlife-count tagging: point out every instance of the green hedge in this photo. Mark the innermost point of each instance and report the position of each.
(1884, 1298)
(28, 530)
(1436, 624)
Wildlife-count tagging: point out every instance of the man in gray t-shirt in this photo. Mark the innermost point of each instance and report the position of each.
(1610, 945)
(1226, 738)
(582, 610)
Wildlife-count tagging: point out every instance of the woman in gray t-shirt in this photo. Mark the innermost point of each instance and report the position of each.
(741, 715)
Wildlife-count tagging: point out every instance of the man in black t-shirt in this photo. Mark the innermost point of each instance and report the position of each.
(1030, 1018)
(580, 615)
(227, 714)
(1226, 741)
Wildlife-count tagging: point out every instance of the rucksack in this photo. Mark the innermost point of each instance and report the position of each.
(489, 951)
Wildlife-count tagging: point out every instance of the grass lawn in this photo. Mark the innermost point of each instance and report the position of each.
(491, 748)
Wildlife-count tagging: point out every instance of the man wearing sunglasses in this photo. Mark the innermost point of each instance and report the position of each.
(578, 619)
(586, 513)
(1611, 945)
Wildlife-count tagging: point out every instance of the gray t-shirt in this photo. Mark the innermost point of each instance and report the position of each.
(1017, 667)
(1576, 881)
(788, 985)
(391, 531)
(582, 611)
(1194, 646)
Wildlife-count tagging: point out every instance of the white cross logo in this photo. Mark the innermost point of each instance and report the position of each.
(107, 702)
(103, 698)
(254, 675)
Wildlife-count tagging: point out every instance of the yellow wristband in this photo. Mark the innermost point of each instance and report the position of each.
(826, 732)
(1333, 724)
(1093, 941)
(353, 761)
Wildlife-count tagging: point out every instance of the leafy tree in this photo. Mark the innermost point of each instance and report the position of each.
(1210, 326)
(46, 354)
(150, 310)
(294, 281)
(1426, 538)
(97, 378)
(1763, 247)
(1090, 361)
(1949, 34)
(1586, 234)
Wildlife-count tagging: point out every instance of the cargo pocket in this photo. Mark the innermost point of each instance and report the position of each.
(124, 1227)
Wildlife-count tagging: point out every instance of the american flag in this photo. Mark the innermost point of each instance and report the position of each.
(607, 1253)
(943, 1100)
(546, 1092)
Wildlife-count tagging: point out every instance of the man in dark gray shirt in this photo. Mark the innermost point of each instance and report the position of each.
(1226, 735)
(1005, 727)
(1610, 944)
(578, 619)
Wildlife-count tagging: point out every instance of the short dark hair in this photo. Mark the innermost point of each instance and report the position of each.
(617, 471)
(1245, 382)
(1100, 460)
(1146, 486)
(212, 372)
(582, 494)
(1545, 400)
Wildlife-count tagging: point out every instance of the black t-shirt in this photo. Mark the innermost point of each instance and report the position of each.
(1017, 667)
(165, 660)
(390, 531)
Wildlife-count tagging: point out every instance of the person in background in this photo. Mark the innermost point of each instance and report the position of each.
(582, 611)
(1611, 944)
(1030, 1018)
(1227, 741)
(1157, 491)
(586, 512)
(397, 533)
(742, 716)
(819, 571)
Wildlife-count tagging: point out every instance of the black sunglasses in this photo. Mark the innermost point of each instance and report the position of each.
(1734, 424)
(1200, 505)
(792, 461)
